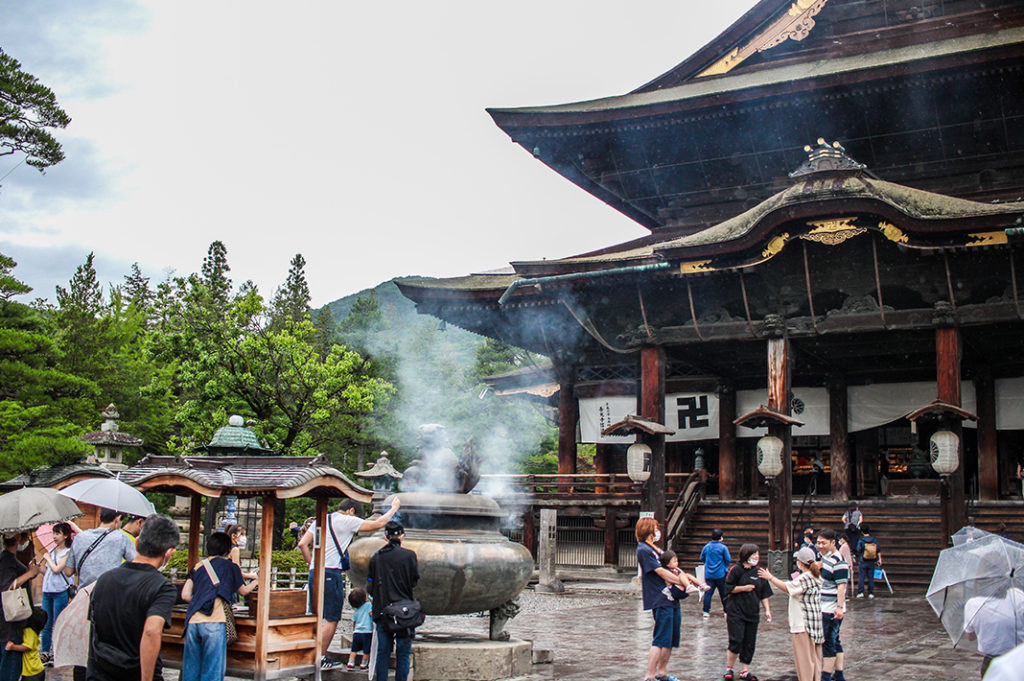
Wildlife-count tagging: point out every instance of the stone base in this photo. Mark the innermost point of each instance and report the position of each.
(461, 657)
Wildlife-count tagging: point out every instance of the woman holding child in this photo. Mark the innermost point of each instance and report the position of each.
(656, 580)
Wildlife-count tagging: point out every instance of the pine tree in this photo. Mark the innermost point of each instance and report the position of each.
(27, 109)
(137, 290)
(214, 272)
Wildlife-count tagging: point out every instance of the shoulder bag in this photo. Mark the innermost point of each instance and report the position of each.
(16, 604)
(342, 555)
(229, 615)
(402, 615)
(72, 589)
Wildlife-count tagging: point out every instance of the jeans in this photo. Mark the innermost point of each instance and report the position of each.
(866, 572)
(403, 651)
(53, 604)
(714, 584)
(10, 663)
(206, 652)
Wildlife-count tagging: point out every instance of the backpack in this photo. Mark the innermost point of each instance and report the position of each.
(870, 551)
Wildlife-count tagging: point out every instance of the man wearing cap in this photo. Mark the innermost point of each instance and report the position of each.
(392, 576)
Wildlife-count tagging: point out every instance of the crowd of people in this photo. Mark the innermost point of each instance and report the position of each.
(817, 591)
(106, 603)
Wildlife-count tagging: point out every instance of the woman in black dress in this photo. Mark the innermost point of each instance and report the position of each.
(746, 591)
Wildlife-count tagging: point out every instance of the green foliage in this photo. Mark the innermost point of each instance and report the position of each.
(28, 109)
(291, 301)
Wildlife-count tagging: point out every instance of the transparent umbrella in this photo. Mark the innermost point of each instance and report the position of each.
(110, 493)
(977, 590)
(30, 507)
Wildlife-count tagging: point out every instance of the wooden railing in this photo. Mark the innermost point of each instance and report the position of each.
(590, 485)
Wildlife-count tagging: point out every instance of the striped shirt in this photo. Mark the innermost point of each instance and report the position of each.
(834, 571)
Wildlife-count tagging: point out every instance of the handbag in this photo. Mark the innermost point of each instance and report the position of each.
(402, 615)
(72, 589)
(230, 629)
(16, 605)
(342, 555)
(879, 573)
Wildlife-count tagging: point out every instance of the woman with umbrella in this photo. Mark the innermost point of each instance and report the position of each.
(56, 585)
(13, 575)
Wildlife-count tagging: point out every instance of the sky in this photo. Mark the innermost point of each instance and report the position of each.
(352, 133)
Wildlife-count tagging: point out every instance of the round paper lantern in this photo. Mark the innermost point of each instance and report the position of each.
(769, 456)
(945, 452)
(638, 462)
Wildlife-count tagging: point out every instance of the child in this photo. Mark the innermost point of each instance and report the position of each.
(31, 665)
(672, 590)
(362, 636)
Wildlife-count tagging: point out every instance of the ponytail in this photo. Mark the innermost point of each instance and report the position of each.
(815, 569)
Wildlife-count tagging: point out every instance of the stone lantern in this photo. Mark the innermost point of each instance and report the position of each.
(109, 443)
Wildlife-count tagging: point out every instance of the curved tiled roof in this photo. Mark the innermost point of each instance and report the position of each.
(49, 476)
(112, 437)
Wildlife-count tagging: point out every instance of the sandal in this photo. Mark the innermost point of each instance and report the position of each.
(729, 675)
(747, 676)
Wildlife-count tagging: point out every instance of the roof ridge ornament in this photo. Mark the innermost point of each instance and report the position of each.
(826, 158)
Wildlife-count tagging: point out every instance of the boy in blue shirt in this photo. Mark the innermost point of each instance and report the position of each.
(716, 559)
(362, 620)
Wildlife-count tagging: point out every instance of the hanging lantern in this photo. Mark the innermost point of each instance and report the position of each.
(769, 456)
(945, 452)
(638, 462)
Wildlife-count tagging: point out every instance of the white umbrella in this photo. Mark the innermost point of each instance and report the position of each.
(110, 493)
(30, 507)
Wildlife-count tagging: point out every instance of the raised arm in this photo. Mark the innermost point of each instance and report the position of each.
(371, 525)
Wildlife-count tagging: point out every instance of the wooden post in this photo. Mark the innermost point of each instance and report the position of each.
(726, 442)
(988, 449)
(611, 544)
(195, 513)
(568, 415)
(839, 438)
(318, 580)
(652, 406)
(529, 532)
(780, 502)
(263, 602)
(602, 466)
(947, 383)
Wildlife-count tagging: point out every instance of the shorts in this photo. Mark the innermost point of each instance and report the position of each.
(667, 623)
(832, 645)
(334, 594)
(361, 641)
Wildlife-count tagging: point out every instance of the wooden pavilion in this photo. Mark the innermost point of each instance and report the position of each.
(840, 286)
(272, 642)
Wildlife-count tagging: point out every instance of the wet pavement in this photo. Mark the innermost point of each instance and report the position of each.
(598, 630)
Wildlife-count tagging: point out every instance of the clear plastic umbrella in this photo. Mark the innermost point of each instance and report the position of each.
(110, 493)
(977, 590)
(30, 507)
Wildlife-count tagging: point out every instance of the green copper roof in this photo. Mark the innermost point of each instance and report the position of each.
(235, 437)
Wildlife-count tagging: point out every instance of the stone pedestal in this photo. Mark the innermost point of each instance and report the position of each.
(451, 657)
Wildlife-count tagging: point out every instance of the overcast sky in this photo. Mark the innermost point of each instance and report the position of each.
(353, 133)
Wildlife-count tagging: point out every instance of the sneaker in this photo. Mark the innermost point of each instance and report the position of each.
(871, 595)
(364, 666)
(860, 595)
(729, 674)
(667, 677)
(350, 666)
(707, 615)
(327, 664)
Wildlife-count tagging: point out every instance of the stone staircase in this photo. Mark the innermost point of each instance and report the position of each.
(909, 532)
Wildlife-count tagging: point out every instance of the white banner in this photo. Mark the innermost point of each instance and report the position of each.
(694, 416)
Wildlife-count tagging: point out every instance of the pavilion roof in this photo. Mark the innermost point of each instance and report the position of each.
(212, 476)
(48, 476)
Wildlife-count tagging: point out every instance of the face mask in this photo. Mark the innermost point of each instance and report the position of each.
(22, 547)
(242, 541)
(657, 535)
(752, 562)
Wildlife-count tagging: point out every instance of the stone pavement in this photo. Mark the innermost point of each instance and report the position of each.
(598, 630)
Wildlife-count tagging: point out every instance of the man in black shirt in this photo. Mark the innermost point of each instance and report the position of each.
(393, 574)
(131, 606)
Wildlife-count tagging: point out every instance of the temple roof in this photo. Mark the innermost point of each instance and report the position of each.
(282, 476)
(234, 438)
(48, 476)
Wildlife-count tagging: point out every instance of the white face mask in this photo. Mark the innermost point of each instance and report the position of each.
(752, 562)
(22, 547)
(657, 535)
(242, 541)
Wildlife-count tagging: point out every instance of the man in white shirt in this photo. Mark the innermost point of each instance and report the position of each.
(996, 622)
(342, 525)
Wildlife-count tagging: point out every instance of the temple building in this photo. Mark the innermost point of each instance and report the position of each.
(835, 196)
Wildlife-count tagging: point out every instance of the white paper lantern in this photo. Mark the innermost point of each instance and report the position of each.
(638, 462)
(945, 452)
(769, 456)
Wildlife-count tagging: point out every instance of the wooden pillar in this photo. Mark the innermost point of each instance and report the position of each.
(988, 448)
(947, 384)
(195, 531)
(652, 406)
(611, 543)
(780, 501)
(568, 415)
(603, 465)
(318, 581)
(726, 442)
(263, 602)
(529, 532)
(839, 438)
